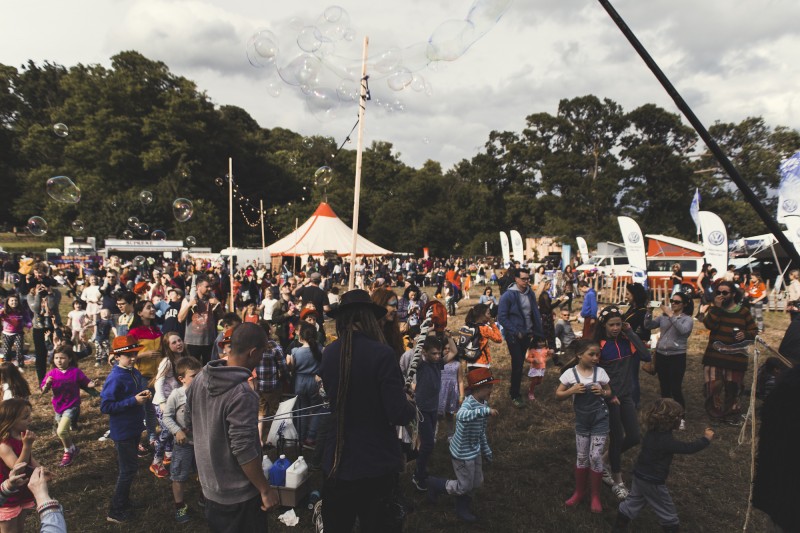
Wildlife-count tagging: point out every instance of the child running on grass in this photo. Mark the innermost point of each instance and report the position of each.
(16, 442)
(652, 467)
(123, 397)
(587, 384)
(469, 445)
(174, 418)
(12, 384)
(14, 319)
(66, 382)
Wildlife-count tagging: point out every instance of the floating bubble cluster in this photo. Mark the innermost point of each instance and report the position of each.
(191, 241)
(146, 197)
(183, 209)
(37, 226)
(61, 130)
(62, 189)
(321, 57)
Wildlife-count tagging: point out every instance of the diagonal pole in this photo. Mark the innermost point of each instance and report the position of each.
(362, 108)
(712, 145)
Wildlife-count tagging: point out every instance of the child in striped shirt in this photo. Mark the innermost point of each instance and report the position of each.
(469, 445)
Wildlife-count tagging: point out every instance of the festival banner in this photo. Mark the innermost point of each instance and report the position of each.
(694, 209)
(583, 249)
(566, 255)
(634, 242)
(789, 188)
(793, 225)
(715, 240)
(516, 246)
(505, 250)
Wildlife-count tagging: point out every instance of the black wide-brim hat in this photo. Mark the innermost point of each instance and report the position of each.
(357, 298)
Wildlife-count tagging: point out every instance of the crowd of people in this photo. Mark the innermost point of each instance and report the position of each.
(198, 362)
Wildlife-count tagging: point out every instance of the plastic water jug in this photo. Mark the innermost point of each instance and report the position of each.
(277, 474)
(266, 464)
(297, 473)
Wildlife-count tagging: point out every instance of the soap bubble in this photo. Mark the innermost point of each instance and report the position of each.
(191, 241)
(133, 222)
(15, 278)
(426, 140)
(77, 226)
(400, 79)
(182, 209)
(484, 14)
(323, 104)
(114, 204)
(219, 182)
(158, 235)
(146, 197)
(60, 129)
(302, 70)
(139, 260)
(62, 189)
(308, 142)
(309, 39)
(334, 23)
(273, 89)
(450, 40)
(143, 229)
(127, 234)
(37, 226)
(323, 175)
(262, 48)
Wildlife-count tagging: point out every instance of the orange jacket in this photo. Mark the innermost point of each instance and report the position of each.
(489, 332)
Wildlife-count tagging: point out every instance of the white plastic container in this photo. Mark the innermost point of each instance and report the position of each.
(297, 473)
(266, 464)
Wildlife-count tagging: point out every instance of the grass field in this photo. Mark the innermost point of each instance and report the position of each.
(524, 488)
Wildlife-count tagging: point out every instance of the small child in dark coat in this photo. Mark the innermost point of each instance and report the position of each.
(652, 467)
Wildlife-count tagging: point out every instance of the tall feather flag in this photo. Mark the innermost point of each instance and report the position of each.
(789, 188)
(694, 209)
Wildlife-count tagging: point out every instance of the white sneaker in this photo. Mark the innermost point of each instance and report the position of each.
(620, 491)
(682, 427)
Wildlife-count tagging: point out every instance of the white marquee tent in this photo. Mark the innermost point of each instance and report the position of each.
(322, 232)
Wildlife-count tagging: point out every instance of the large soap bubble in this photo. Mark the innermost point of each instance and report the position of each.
(183, 209)
(37, 226)
(146, 197)
(191, 241)
(61, 129)
(321, 57)
(158, 235)
(323, 175)
(62, 189)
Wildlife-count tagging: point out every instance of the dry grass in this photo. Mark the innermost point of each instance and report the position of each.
(524, 490)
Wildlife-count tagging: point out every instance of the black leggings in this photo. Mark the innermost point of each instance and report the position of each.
(624, 430)
(40, 348)
(670, 370)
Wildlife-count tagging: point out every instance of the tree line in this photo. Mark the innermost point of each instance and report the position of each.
(135, 126)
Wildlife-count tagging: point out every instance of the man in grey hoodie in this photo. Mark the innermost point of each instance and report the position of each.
(222, 414)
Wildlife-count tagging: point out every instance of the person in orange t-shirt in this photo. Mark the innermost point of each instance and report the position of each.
(757, 297)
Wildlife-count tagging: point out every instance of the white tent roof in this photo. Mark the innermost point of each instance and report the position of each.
(322, 232)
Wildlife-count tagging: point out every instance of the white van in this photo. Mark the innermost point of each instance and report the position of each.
(606, 264)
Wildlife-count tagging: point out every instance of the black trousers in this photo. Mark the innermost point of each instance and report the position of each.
(370, 499)
(670, 370)
(624, 431)
(236, 518)
(203, 353)
(40, 348)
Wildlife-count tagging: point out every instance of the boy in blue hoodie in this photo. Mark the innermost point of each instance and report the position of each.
(123, 397)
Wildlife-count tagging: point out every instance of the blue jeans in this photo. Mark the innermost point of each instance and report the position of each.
(127, 462)
(165, 440)
(427, 427)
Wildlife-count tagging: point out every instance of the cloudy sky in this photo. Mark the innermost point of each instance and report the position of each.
(730, 59)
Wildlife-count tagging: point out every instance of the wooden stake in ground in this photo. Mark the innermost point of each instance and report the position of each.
(362, 107)
(263, 243)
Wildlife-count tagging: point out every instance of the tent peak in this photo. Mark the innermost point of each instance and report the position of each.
(324, 210)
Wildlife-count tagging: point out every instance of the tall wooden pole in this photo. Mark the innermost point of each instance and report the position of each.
(263, 243)
(230, 230)
(362, 108)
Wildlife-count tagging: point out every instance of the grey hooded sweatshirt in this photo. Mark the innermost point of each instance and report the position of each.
(222, 414)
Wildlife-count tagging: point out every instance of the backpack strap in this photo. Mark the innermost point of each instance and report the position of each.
(577, 377)
(594, 375)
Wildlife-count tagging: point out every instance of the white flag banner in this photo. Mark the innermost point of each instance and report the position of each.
(694, 209)
(715, 240)
(634, 242)
(789, 188)
(504, 249)
(793, 225)
(583, 249)
(516, 246)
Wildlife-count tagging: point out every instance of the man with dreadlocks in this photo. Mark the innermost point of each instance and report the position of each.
(367, 400)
